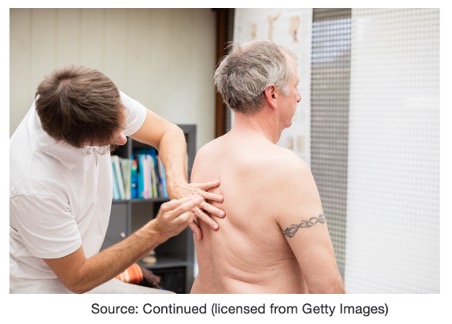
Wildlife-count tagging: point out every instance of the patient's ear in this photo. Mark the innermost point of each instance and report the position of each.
(271, 95)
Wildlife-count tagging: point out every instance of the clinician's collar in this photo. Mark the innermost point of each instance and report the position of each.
(67, 154)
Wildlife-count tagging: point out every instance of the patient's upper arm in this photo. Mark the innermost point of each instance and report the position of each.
(304, 225)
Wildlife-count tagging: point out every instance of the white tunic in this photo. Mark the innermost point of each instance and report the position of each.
(60, 198)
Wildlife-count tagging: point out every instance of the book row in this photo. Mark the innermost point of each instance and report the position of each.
(142, 176)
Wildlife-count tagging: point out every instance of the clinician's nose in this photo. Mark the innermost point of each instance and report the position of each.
(121, 139)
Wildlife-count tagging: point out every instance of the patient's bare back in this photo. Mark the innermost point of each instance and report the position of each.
(249, 253)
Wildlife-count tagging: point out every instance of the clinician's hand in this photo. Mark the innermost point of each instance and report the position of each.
(175, 215)
(81, 274)
(203, 211)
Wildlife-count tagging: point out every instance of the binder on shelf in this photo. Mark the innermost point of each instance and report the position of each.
(153, 179)
(115, 188)
(118, 176)
(162, 177)
(133, 179)
(143, 174)
(126, 176)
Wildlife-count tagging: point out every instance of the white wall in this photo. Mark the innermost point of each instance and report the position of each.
(165, 58)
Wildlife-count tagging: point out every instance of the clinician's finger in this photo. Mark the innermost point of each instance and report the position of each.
(185, 206)
(185, 218)
(176, 203)
(210, 196)
(212, 210)
(205, 218)
(196, 231)
(206, 186)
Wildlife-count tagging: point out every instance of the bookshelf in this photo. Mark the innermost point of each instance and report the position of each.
(175, 257)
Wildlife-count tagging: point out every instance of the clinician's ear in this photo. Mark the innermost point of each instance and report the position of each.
(271, 95)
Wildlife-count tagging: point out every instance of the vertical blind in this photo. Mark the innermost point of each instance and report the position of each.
(330, 79)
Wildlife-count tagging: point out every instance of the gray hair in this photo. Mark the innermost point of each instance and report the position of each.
(244, 74)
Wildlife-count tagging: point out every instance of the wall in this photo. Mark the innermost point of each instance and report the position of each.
(165, 58)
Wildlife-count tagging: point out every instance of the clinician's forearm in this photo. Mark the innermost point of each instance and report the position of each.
(173, 153)
(110, 262)
(81, 274)
(170, 142)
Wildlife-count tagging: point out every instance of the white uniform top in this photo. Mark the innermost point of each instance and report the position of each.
(60, 198)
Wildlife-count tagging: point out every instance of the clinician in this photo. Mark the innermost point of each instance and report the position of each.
(60, 184)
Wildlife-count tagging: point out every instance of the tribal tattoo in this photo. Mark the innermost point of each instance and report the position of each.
(293, 229)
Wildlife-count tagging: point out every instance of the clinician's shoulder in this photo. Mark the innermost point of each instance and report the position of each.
(135, 114)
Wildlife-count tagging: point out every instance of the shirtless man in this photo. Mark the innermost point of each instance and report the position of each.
(275, 237)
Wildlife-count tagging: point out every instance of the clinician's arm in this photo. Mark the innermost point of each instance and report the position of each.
(169, 140)
(304, 226)
(80, 274)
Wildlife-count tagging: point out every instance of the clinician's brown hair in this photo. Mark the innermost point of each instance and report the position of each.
(80, 106)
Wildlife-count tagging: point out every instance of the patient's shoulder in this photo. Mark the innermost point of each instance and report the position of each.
(292, 173)
(207, 159)
(286, 161)
(210, 149)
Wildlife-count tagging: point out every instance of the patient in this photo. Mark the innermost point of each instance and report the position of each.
(275, 237)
